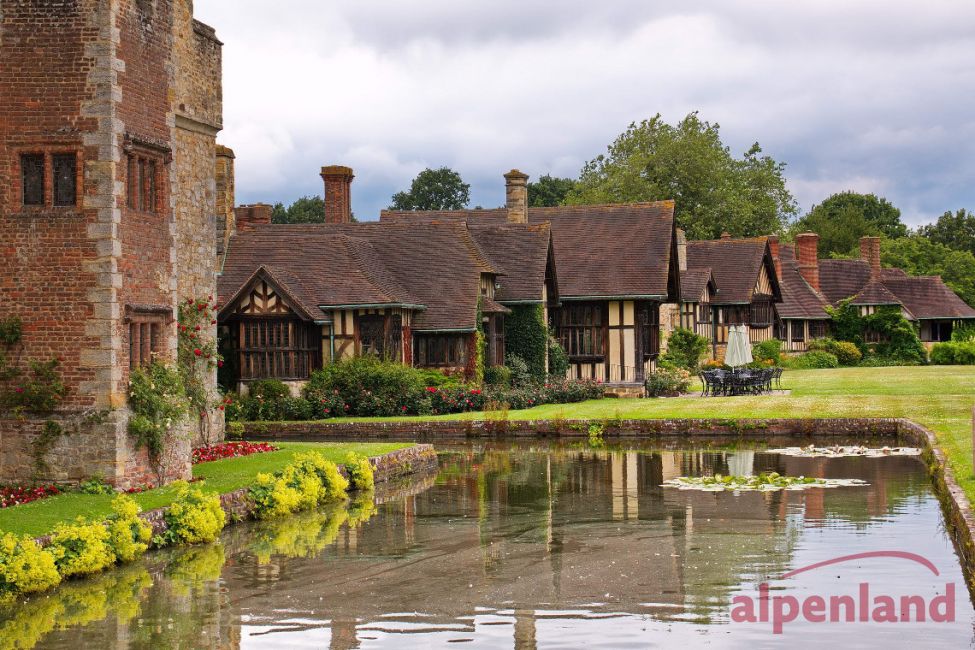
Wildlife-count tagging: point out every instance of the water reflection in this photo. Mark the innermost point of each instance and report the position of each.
(514, 545)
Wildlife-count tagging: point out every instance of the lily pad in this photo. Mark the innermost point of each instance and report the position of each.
(845, 451)
(764, 482)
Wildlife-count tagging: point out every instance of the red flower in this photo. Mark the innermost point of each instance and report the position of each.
(220, 364)
(198, 352)
(197, 328)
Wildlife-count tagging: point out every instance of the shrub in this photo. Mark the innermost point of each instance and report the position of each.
(497, 376)
(81, 549)
(310, 479)
(431, 377)
(25, 567)
(235, 430)
(558, 359)
(455, 400)
(158, 401)
(273, 497)
(360, 472)
(846, 353)
(526, 337)
(193, 517)
(519, 371)
(815, 359)
(685, 349)
(95, 485)
(366, 385)
(668, 381)
(963, 333)
(128, 534)
(271, 390)
(769, 350)
(954, 353)
(296, 408)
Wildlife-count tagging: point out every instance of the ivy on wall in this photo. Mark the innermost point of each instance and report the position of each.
(899, 340)
(526, 337)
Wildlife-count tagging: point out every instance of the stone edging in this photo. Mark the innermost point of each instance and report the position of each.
(959, 518)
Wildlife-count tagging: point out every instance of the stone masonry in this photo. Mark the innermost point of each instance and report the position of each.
(131, 90)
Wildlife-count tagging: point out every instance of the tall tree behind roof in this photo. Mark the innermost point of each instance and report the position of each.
(549, 191)
(844, 217)
(714, 191)
(434, 189)
(953, 229)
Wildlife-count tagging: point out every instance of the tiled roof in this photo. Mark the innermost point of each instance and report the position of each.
(600, 250)
(875, 293)
(693, 282)
(735, 264)
(799, 299)
(520, 254)
(436, 266)
(928, 296)
(842, 279)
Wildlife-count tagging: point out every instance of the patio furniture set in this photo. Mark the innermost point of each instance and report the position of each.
(740, 381)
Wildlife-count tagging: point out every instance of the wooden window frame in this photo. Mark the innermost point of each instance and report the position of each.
(761, 314)
(581, 330)
(818, 329)
(147, 334)
(276, 347)
(441, 350)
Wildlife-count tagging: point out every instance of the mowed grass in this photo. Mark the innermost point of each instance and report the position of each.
(221, 476)
(938, 397)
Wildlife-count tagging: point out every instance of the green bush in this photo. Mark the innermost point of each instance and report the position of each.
(954, 353)
(359, 469)
(128, 534)
(558, 360)
(308, 480)
(193, 517)
(769, 350)
(81, 549)
(963, 333)
(815, 359)
(296, 408)
(367, 386)
(847, 353)
(520, 376)
(685, 349)
(497, 376)
(158, 402)
(668, 381)
(235, 430)
(432, 377)
(25, 567)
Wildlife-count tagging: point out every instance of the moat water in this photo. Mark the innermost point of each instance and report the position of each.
(545, 545)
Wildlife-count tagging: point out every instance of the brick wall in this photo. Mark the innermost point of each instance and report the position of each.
(106, 80)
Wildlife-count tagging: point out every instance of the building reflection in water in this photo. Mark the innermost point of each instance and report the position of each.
(508, 535)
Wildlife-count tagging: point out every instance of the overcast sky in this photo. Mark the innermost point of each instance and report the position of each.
(851, 94)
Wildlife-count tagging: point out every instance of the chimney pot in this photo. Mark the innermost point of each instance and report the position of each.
(516, 196)
(338, 193)
(807, 254)
(870, 253)
(249, 216)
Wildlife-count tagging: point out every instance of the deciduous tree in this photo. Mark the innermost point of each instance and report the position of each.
(434, 189)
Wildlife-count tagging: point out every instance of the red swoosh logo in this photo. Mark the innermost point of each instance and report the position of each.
(904, 555)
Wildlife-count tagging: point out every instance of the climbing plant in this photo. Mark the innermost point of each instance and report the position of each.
(897, 337)
(197, 357)
(526, 337)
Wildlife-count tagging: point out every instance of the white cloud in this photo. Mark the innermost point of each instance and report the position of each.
(876, 94)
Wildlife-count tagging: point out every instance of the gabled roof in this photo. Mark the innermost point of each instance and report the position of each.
(799, 299)
(842, 279)
(875, 293)
(736, 264)
(434, 268)
(601, 251)
(693, 283)
(520, 253)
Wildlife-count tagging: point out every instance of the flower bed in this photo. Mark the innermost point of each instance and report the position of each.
(230, 450)
(15, 495)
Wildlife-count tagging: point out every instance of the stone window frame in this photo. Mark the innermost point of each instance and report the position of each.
(48, 151)
(146, 193)
(147, 333)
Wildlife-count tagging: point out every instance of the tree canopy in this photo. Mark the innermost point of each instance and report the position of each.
(549, 191)
(953, 229)
(918, 255)
(714, 191)
(843, 218)
(307, 209)
(434, 189)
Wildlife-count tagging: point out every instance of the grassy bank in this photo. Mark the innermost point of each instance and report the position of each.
(938, 397)
(221, 476)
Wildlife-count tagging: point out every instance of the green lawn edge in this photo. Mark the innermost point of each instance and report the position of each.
(221, 476)
(940, 398)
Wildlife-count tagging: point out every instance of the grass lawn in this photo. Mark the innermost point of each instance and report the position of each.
(40, 517)
(938, 397)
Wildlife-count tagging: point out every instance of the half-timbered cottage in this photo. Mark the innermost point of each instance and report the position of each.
(616, 265)
(747, 286)
(924, 300)
(697, 292)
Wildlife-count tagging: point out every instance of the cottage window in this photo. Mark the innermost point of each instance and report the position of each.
(818, 329)
(761, 313)
(65, 179)
(394, 338)
(278, 348)
(32, 177)
(579, 327)
(704, 313)
(145, 337)
(735, 315)
(649, 320)
(372, 335)
(441, 350)
(798, 328)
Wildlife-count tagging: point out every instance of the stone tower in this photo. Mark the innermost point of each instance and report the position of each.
(109, 111)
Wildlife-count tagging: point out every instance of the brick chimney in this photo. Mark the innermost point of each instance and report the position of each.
(338, 193)
(773, 245)
(726, 235)
(248, 216)
(870, 253)
(516, 196)
(682, 249)
(807, 254)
